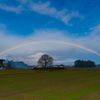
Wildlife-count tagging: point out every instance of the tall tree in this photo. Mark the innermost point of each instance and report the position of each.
(45, 60)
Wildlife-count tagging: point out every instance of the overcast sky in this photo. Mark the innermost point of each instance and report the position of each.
(73, 21)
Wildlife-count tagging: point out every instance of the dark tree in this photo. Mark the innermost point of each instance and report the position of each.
(45, 60)
(86, 64)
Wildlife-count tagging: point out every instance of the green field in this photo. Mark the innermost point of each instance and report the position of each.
(51, 85)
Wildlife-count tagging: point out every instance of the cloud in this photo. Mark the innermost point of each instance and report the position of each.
(69, 16)
(65, 61)
(2, 26)
(95, 30)
(75, 34)
(36, 55)
(46, 9)
(43, 8)
(50, 22)
(24, 1)
(85, 33)
(17, 9)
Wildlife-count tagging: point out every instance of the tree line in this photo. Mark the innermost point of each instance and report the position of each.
(82, 64)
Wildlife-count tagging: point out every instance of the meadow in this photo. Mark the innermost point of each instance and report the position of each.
(49, 85)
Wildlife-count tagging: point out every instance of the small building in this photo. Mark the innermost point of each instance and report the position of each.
(1, 63)
(68, 66)
(39, 66)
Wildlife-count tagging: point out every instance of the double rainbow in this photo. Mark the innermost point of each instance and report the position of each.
(57, 42)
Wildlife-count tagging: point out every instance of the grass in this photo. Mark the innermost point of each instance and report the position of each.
(13, 71)
(51, 85)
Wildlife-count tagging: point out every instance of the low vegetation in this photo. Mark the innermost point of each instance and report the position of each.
(49, 68)
(50, 85)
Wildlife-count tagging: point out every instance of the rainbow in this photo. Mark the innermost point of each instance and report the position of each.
(58, 42)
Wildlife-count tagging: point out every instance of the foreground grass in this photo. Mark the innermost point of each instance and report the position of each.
(54, 85)
(14, 71)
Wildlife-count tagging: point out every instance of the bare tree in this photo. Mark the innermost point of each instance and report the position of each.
(45, 60)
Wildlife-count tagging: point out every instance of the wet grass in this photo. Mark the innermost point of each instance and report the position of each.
(51, 85)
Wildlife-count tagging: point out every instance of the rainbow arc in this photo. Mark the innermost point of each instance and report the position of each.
(58, 42)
